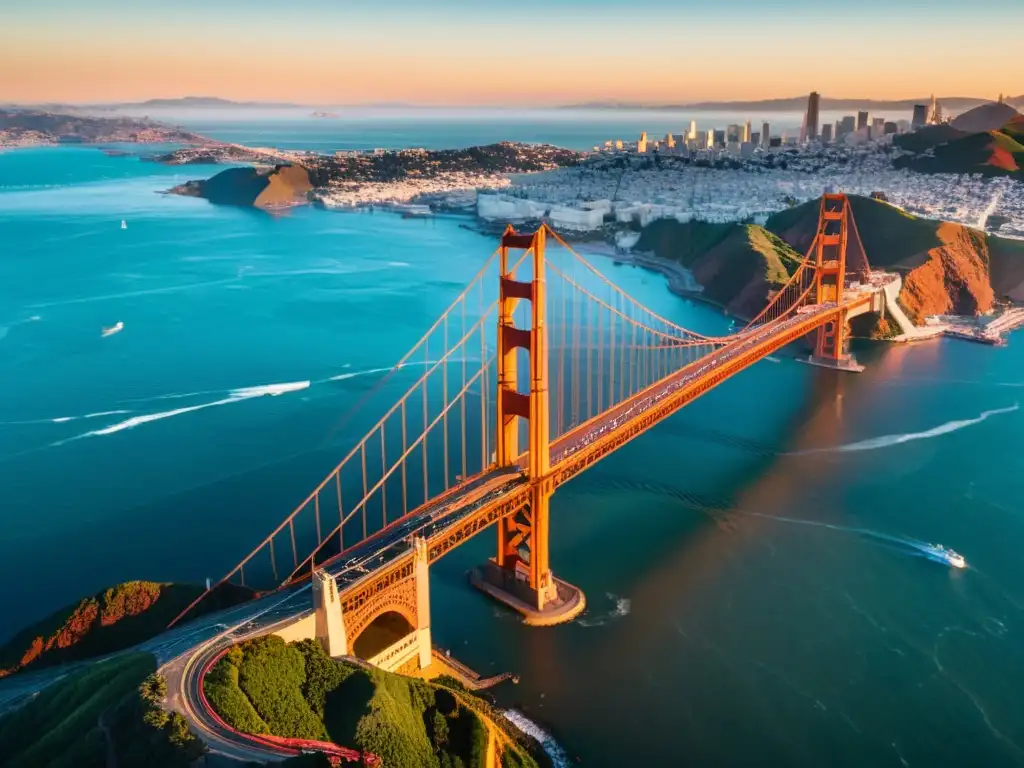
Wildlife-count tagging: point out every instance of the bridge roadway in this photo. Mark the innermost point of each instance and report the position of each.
(186, 652)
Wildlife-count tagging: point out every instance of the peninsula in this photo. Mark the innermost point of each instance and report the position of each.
(350, 179)
(26, 127)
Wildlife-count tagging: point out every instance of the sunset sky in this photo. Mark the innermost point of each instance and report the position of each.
(527, 52)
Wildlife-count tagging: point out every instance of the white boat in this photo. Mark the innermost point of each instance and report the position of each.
(116, 328)
(949, 556)
(124, 224)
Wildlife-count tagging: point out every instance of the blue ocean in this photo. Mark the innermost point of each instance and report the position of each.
(757, 588)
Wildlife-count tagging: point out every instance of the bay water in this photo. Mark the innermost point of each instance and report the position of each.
(754, 568)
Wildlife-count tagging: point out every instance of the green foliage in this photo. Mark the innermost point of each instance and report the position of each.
(271, 676)
(448, 681)
(323, 675)
(70, 722)
(514, 758)
(226, 698)
(408, 723)
(780, 261)
(684, 242)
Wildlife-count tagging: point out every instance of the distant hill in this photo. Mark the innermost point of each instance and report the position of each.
(945, 150)
(268, 188)
(116, 618)
(987, 117)
(206, 102)
(795, 104)
(736, 264)
(946, 267)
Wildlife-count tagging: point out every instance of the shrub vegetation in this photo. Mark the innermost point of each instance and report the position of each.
(296, 690)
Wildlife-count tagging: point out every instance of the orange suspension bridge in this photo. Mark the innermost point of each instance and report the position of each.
(540, 368)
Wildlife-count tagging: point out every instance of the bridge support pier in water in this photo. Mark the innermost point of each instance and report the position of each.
(520, 575)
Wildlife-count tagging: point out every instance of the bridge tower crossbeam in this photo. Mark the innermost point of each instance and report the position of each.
(830, 279)
(520, 573)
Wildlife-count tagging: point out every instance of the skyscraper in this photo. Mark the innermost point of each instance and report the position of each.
(811, 118)
(920, 116)
(733, 132)
(641, 146)
(692, 135)
(848, 124)
(826, 133)
(765, 134)
(862, 120)
(877, 125)
(746, 131)
(670, 141)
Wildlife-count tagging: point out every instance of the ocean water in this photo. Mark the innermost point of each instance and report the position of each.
(395, 128)
(757, 592)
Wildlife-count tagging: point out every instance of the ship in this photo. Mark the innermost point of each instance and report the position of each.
(943, 554)
(116, 328)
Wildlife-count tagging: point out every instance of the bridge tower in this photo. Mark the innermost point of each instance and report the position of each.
(520, 573)
(830, 279)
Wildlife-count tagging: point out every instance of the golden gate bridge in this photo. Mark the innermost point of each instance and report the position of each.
(521, 389)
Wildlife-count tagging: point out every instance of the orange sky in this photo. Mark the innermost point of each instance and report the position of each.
(475, 59)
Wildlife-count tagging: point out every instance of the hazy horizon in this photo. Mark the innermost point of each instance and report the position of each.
(483, 53)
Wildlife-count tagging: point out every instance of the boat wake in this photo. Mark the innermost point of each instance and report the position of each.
(621, 609)
(907, 544)
(559, 757)
(235, 396)
(65, 419)
(889, 440)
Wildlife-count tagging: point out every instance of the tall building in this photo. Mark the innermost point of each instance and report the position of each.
(746, 131)
(766, 134)
(721, 137)
(755, 139)
(862, 120)
(935, 113)
(733, 132)
(920, 116)
(811, 118)
(826, 133)
(890, 127)
(847, 125)
(641, 145)
(692, 135)
(711, 139)
(670, 141)
(877, 125)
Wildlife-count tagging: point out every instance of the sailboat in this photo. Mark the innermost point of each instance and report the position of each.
(116, 328)
(124, 224)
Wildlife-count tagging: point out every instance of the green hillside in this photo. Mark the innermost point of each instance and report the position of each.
(296, 690)
(891, 237)
(683, 242)
(104, 711)
(992, 153)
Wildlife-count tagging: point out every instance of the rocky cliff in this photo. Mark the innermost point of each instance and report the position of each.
(269, 188)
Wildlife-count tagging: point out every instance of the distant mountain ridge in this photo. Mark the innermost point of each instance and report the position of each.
(799, 103)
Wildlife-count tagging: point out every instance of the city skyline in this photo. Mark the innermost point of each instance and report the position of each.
(603, 50)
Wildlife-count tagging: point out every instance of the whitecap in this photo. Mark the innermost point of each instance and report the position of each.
(559, 757)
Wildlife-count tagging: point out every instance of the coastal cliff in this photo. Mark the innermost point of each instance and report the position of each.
(282, 186)
(947, 268)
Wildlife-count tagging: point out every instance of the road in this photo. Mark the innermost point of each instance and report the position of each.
(186, 652)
